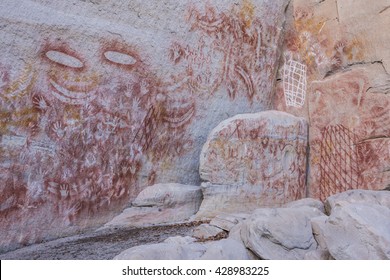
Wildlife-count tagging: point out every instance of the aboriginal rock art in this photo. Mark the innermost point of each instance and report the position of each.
(74, 140)
(92, 113)
(266, 151)
(294, 83)
(309, 41)
(339, 167)
(234, 50)
(349, 134)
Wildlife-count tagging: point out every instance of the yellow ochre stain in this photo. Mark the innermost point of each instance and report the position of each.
(247, 12)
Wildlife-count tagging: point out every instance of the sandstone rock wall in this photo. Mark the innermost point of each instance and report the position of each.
(99, 99)
(336, 74)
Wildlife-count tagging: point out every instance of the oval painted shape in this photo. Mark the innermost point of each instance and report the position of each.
(120, 58)
(64, 59)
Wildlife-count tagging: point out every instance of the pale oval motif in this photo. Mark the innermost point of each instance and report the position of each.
(120, 58)
(64, 59)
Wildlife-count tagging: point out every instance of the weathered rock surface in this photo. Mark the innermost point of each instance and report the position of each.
(226, 249)
(100, 99)
(336, 74)
(228, 221)
(254, 160)
(381, 198)
(185, 248)
(306, 202)
(160, 204)
(350, 129)
(355, 231)
(179, 248)
(206, 231)
(280, 233)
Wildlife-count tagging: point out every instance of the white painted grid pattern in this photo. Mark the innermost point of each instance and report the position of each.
(294, 83)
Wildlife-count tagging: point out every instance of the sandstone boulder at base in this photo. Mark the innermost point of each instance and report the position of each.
(254, 160)
(206, 231)
(309, 202)
(178, 248)
(280, 233)
(226, 249)
(186, 248)
(228, 221)
(160, 204)
(358, 196)
(170, 195)
(355, 231)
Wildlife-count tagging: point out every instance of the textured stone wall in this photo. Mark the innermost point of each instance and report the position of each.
(99, 99)
(336, 74)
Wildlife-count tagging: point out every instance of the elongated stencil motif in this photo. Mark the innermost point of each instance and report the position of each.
(294, 83)
(339, 169)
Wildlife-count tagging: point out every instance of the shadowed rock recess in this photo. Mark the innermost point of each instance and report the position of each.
(249, 129)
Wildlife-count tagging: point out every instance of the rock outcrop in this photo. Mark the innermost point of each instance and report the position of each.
(357, 227)
(254, 160)
(282, 233)
(356, 231)
(160, 204)
(336, 74)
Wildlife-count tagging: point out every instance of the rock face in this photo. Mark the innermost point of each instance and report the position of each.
(381, 198)
(160, 204)
(341, 75)
(280, 233)
(100, 99)
(254, 160)
(356, 231)
(185, 248)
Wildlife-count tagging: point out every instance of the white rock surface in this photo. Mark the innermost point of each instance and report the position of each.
(226, 249)
(355, 231)
(280, 233)
(160, 204)
(169, 196)
(228, 221)
(178, 248)
(309, 202)
(358, 196)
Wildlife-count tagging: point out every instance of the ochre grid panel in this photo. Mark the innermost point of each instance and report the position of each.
(339, 169)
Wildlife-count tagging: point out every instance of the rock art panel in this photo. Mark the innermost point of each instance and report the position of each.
(264, 151)
(95, 108)
(342, 45)
(349, 137)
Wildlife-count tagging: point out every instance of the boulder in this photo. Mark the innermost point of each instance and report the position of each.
(355, 231)
(186, 248)
(309, 202)
(160, 204)
(226, 249)
(254, 160)
(178, 248)
(358, 196)
(228, 221)
(280, 233)
(206, 231)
